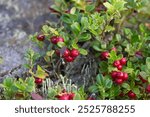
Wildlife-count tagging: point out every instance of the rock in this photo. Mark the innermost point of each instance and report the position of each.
(18, 19)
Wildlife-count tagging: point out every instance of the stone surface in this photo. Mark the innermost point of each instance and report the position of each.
(18, 19)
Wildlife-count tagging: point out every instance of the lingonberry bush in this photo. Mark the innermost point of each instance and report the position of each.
(115, 34)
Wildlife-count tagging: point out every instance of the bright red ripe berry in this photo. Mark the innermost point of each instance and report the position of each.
(131, 95)
(148, 89)
(125, 76)
(60, 39)
(66, 53)
(123, 61)
(119, 67)
(74, 53)
(54, 39)
(120, 75)
(118, 81)
(113, 74)
(38, 81)
(104, 55)
(69, 59)
(116, 63)
(40, 37)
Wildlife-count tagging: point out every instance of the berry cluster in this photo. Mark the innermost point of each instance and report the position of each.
(69, 55)
(65, 96)
(119, 77)
(119, 63)
(104, 55)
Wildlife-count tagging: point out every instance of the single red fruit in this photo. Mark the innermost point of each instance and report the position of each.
(120, 75)
(148, 89)
(54, 39)
(119, 67)
(66, 53)
(118, 81)
(69, 59)
(60, 39)
(74, 53)
(142, 79)
(125, 76)
(113, 74)
(40, 37)
(116, 63)
(123, 61)
(38, 81)
(104, 55)
(131, 95)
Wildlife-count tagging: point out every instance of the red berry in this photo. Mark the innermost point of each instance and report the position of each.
(123, 61)
(60, 39)
(142, 79)
(38, 81)
(41, 37)
(104, 55)
(131, 95)
(125, 76)
(118, 81)
(119, 67)
(69, 59)
(113, 74)
(54, 39)
(148, 89)
(120, 75)
(74, 53)
(116, 63)
(66, 53)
